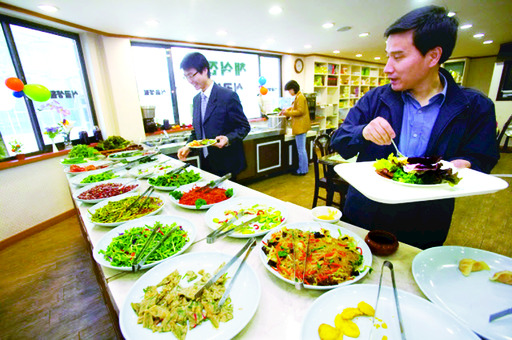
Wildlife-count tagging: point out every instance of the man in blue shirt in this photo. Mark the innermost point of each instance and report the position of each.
(427, 114)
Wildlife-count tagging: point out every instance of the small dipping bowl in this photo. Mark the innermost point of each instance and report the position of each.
(381, 243)
(326, 214)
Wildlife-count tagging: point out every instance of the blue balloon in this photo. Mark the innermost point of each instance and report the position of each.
(262, 80)
(18, 94)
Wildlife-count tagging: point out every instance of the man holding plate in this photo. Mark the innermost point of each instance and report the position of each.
(218, 115)
(427, 114)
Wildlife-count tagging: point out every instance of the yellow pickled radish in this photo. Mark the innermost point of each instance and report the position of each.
(366, 309)
(328, 332)
(350, 328)
(350, 313)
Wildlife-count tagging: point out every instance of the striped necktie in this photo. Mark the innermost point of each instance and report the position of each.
(204, 103)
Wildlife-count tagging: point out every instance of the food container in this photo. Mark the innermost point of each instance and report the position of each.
(381, 242)
(148, 111)
(277, 122)
(326, 214)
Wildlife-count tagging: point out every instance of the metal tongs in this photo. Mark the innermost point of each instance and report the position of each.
(177, 170)
(249, 245)
(299, 284)
(501, 314)
(138, 264)
(214, 184)
(148, 192)
(221, 232)
(400, 322)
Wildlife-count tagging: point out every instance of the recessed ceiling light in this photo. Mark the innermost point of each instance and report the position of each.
(377, 58)
(344, 28)
(275, 10)
(152, 22)
(336, 51)
(478, 35)
(359, 55)
(48, 8)
(488, 42)
(466, 26)
(364, 34)
(307, 46)
(221, 32)
(328, 25)
(271, 40)
(451, 14)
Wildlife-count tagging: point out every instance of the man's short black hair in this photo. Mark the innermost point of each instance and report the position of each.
(431, 27)
(292, 85)
(196, 61)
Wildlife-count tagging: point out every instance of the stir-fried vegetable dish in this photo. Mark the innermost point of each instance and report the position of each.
(106, 190)
(201, 143)
(104, 176)
(416, 170)
(175, 180)
(329, 260)
(269, 217)
(199, 196)
(116, 211)
(123, 249)
(170, 307)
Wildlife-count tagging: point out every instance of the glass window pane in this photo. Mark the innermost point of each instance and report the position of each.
(52, 61)
(270, 68)
(152, 73)
(236, 71)
(14, 117)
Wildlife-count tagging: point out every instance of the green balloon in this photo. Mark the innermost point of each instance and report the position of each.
(36, 92)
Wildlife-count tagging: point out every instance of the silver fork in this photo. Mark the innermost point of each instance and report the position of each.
(397, 151)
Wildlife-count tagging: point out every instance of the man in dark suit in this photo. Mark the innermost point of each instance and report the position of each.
(217, 114)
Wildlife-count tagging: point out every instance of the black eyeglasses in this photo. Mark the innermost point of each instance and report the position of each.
(190, 76)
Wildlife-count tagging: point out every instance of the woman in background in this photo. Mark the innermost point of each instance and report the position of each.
(299, 114)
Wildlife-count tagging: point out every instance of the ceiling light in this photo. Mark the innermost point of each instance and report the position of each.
(307, 46)
(48, 8)
(478, 35)
(359, 55)
(488, 42)
(275, 10)
(377, 58)
(451, 14)
(336, 51)
(344, 28)
(152, 22)
(271, 40)
(466, 26)
(221, 32)
(364, 34)
(328, 25)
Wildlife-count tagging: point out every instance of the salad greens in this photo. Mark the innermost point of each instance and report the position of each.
(104, 176)
(416, 170)
(115, 211)
(83, 151)
(175, 180)
(112, 143)
(123, 249)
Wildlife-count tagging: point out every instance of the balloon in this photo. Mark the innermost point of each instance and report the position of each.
(14, 84)
(262, 80)
(39, 93)
(18, 94)
(263, 90)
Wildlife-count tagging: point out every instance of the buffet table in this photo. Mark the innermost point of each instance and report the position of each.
(282, 308)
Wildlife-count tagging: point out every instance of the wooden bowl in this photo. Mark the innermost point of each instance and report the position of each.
(381, 243)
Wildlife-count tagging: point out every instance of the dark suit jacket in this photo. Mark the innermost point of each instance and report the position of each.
(224, 116)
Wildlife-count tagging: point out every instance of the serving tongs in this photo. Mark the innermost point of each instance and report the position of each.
(138, 264)
(211, 237)
(214, 184)
(299, 284)
(395, 292)
(236, 227)
(501, 314)
(148, 192)
(177, 170)
(249, 245)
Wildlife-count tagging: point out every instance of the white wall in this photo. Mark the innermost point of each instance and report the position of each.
(31, 194)
(503, 108)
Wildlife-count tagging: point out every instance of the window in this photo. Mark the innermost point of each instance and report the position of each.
(51, 58)
(505, 88)
(237, 71)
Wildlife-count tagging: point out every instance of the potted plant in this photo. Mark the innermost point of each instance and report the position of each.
(16, 148)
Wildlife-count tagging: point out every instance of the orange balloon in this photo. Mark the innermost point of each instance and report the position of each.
(14, 84)
(263, 90)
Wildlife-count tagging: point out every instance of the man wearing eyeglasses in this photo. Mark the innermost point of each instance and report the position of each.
(217, 114)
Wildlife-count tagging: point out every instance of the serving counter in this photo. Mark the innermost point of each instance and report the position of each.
(282, 308)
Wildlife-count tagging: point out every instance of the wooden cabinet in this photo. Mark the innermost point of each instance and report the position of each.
(264, 156)
(291, 156)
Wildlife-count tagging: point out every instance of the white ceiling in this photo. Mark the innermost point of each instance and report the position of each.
(248, 23)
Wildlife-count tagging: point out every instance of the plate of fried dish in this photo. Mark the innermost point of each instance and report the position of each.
(470, 284)
(176, 281)
(347, 312)
(417, 171)
(335, 256)
(203, 143)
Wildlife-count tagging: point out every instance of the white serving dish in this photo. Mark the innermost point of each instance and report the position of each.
(76, 180)
(326, 211)
(115, 180)
(188, 187)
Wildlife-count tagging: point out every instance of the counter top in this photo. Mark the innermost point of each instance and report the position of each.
(282, 308)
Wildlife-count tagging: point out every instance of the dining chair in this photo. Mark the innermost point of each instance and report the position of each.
(506, 132)
(325, 177)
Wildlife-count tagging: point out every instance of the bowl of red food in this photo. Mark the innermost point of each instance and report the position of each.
(381, 242)
(201, 195)
(98, 192)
